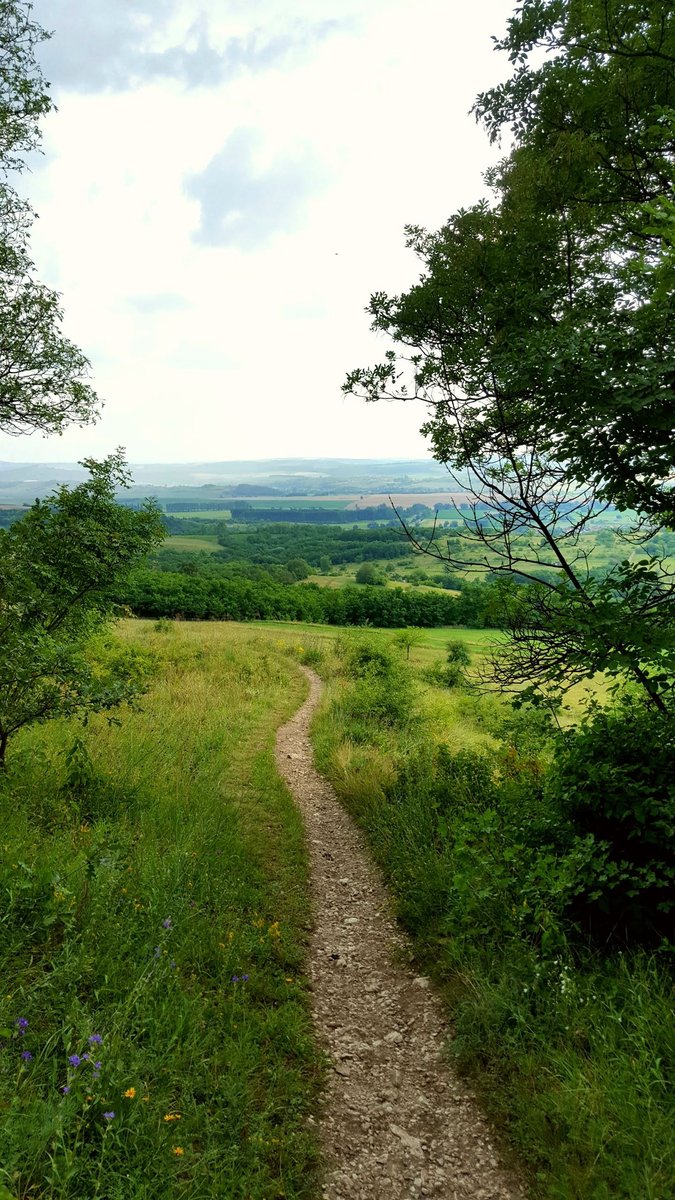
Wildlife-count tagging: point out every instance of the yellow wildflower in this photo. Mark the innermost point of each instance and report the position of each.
(171, 1117)
(274, 930)
(130, 1093)
(177, 1150)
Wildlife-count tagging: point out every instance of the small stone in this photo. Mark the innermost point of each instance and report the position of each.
(394, 1036)
(411, 1143)
(351, 920)
(421, 981)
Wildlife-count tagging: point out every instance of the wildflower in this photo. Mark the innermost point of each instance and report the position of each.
(109, 1116)
(27, 1056)
(171, 1117)
(65, 1090)
(74, 1060)
(146, 1098)
(85, 1058)
(22, 1025)
(97, 1066)
(167, 923)
(244, 979)
(130, 1093)
(274, 930)
(235, 979)
(177, 1150)
(95, 1039)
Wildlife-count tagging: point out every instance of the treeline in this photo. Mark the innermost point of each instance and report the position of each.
(9, 515)
(320, 548)
(312, 516)
(201, 598)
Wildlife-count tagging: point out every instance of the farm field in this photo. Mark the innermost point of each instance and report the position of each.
(187, 544)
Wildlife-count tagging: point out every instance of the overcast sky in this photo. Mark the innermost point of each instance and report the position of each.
(224, 184)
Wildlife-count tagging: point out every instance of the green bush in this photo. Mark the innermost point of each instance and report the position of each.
(613, 780)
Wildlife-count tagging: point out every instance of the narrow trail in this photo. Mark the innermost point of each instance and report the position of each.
(397, 1123)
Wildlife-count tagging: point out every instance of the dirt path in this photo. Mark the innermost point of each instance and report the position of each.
(397, 1123)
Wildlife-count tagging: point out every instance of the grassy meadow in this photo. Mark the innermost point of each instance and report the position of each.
(568, 1046)
(155, 1038)
(155, 1033)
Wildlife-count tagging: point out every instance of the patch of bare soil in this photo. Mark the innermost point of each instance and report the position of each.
(396, 1121)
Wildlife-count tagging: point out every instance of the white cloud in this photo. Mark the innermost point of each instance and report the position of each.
(216, 245)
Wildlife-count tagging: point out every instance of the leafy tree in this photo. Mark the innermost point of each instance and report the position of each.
(60, 567)
(540, 336)
(593, 172)
(42, 374)
(368, 574)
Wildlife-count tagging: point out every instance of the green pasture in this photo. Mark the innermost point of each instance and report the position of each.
(187, 543)
(221, 514)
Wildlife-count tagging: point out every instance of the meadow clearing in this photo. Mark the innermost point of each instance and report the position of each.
(156, 1032)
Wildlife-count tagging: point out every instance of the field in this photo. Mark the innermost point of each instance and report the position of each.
(152, 939)
(191, 545)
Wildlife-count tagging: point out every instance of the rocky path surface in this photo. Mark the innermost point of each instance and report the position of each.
(396, 1123)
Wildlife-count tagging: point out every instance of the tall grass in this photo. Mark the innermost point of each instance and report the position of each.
(570, 1048)
(155, 1033)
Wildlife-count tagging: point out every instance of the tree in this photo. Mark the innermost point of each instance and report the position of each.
(61, 567)
(368, 574)
(591, 103)
(42, 374)
(541, 339)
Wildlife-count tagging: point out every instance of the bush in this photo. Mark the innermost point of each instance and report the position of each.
(613, 780)
(381, 691)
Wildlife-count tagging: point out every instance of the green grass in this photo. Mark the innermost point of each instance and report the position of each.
(221, 514)
(137, 882)
(568, 1049)
(189, 544)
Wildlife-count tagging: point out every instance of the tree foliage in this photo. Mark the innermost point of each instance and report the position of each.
(540, 336)
(60, 567)
(43, 375)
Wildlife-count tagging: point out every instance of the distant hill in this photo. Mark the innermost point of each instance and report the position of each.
(21, 483)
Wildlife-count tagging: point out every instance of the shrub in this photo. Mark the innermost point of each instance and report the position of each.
(613, 780)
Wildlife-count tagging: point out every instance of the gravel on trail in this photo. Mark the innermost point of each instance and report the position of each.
(396, 1122)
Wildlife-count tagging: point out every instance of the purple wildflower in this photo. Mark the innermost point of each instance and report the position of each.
(97, 1066)
(74, 1060)
(22, 1025)
(235, 979)
(85, 1058)
(244, 979)
(27, 1056)
(65, 1090)
(109, 1116)
(167, 922)
(95, 1039)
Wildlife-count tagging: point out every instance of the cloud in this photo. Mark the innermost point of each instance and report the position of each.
(244, 205)
(159, 302)
(115, 45)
